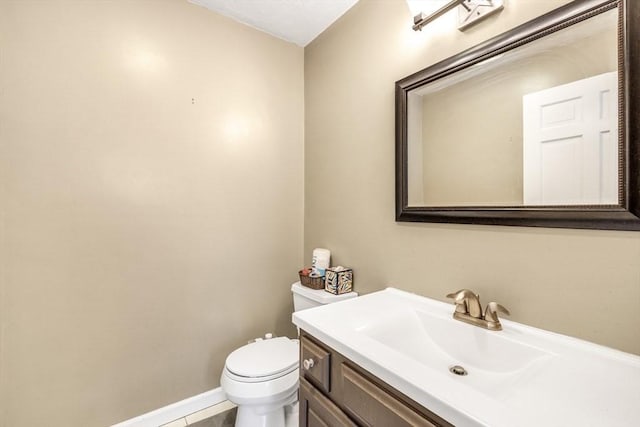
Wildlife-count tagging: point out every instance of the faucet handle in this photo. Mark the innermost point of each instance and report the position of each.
(461, 303)
(491, 312)
(467, 302)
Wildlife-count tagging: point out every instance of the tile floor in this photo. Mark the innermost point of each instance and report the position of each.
(221, 415)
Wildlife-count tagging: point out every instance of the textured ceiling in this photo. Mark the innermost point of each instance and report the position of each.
(296, 21)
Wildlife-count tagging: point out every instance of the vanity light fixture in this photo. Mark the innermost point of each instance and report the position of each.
(470, 12)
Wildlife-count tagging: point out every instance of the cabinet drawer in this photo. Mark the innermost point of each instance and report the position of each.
(371, 405)
(318, 411)
(315, 364)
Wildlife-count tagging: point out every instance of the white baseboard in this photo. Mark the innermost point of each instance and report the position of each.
(176, 410)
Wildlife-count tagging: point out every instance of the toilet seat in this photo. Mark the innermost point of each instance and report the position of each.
(263, 360)
(259, 392)
(242, 379)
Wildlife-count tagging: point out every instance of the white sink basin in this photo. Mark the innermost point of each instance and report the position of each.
(434, 340)
(520, 376)
(491, 360)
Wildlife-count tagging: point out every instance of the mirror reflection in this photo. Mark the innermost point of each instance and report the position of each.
(537, 125)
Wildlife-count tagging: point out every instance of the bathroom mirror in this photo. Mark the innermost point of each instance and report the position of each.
(535, 127)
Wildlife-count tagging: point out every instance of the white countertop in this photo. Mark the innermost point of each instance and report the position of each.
(561, 381)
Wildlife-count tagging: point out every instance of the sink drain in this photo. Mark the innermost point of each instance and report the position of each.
(458, 370)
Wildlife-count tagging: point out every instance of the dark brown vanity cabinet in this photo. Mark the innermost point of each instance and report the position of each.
(335, 392)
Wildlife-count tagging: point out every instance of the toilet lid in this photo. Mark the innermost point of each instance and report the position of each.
(264, 358)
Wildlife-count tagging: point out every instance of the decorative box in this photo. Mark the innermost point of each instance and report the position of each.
(338, 280)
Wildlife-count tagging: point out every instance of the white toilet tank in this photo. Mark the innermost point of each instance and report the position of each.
(304, 297)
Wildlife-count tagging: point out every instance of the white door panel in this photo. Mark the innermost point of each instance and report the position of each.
(570, 154)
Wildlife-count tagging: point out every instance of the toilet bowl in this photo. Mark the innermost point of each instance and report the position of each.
(262, 377)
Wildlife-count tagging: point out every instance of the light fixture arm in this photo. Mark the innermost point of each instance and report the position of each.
(420, 20)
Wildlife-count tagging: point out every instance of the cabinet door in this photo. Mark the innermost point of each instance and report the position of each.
(318, 411)
(372, 406)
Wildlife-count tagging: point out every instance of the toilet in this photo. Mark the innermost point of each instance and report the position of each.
(261, 378)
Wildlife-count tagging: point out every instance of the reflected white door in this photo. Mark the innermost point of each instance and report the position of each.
(570, 153)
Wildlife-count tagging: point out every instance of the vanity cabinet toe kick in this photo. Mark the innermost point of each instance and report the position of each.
(335, 392)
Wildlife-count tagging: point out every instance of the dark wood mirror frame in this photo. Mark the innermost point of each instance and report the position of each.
(625, 215)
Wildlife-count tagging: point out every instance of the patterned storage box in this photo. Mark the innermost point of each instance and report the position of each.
(338, 281)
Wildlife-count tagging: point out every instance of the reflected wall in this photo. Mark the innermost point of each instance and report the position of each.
(467, 129)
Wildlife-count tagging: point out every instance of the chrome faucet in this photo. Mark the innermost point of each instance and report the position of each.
(469, 310)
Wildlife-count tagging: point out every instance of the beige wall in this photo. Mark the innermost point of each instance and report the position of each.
(143, 236)
(576, 282)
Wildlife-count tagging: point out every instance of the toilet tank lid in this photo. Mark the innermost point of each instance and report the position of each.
(320, 295)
